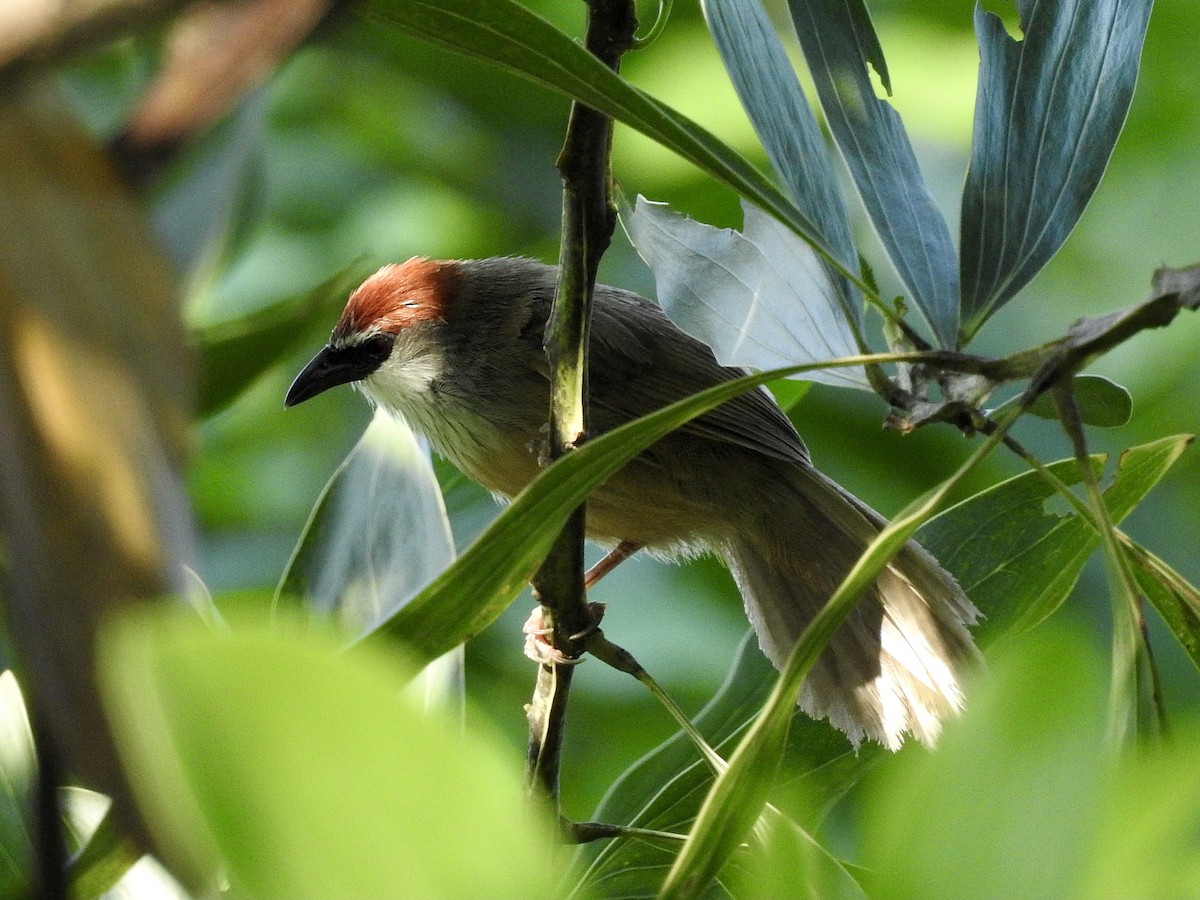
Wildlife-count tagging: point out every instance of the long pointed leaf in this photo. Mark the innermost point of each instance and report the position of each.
(839, 43)
(378, 534)
(508, 35)
(1048, 114)
(767, 85)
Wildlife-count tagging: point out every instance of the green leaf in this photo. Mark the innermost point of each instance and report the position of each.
(509, 35)
(1102, 403)
(768, 88)
(107, 863)
(18, 785)
(1016, 559)
(1047, 117)
(1175, 598)
(377, 535)
(1005, 806)
(740, 791)
(839, 43)
(235, 353)
(1022, 798)
(1017, 551)
(489, 575)
(309, 774)
(663, 791)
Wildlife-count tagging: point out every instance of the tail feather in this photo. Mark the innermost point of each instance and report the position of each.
(894, 666)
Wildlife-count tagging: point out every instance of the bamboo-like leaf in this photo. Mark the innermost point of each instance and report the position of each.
(839, 43)
(509, 35)
(767, 85)
(760, 298)
(1017, 555)
(377, 535)
(1048, 113)
(1102, 402)
(1017, 551)
(1175, 598)
(18, 785)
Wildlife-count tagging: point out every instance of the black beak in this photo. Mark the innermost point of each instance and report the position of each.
(338, 365)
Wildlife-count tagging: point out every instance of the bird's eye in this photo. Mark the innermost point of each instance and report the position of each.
(377, 348)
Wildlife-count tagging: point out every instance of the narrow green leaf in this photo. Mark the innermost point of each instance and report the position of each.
(1048, 113)
(1102, 403)
(737, 796)
(1017, 554)
(769, 91)
(1017, 551)
(18, 782)
(309, 774)
(1175, 598)
(509, 35)
(839, 43)
(234, 353)
(490, 574)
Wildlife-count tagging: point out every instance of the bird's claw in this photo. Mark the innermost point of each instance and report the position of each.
(541, 650)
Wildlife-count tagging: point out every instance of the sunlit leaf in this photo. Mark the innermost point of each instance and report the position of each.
(310, 775)
(767, 85)
(236, 352)
(378, 534)
(759, 297)
(839, 43)
(509, 35)
(1048, 113)
(18, 785)
(1102, 403)
(107, 863)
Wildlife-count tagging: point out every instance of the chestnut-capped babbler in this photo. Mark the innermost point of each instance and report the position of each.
(455, 348)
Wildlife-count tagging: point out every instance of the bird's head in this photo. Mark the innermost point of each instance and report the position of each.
(387, 340)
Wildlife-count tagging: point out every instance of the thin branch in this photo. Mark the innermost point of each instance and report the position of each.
(589, 217)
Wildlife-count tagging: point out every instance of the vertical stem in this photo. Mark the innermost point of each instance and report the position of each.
(589, 217)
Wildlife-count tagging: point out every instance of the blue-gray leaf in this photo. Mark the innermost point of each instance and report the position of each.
(767, 85)
(1048, 113)
(839, 43)
(378, 534)
(759, 298)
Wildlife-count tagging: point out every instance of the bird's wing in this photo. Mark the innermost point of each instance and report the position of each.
(640, 362)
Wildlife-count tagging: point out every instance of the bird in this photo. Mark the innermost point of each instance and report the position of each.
(455, 348)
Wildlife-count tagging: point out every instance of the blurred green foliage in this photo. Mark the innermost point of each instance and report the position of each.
(370, 147)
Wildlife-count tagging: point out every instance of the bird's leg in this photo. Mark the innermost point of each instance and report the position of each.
(537, 647)
(611, 560)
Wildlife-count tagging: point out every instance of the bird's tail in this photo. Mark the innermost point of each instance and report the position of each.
(895, 664)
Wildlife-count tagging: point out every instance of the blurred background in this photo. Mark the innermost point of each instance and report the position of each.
(366, 147)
